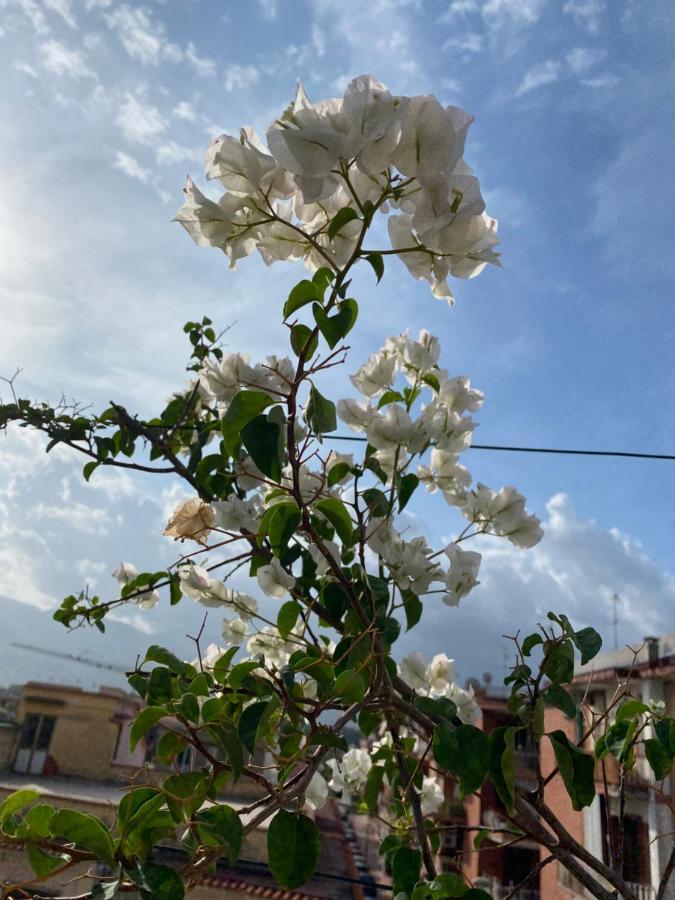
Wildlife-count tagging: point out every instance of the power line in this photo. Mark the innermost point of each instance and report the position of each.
(620, 453)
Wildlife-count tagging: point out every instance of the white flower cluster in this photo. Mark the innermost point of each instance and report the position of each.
(196, 583)
(368, 147)
(350, 773)
(125, 574)
(437, 679)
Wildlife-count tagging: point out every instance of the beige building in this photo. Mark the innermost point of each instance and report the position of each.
(73, 746)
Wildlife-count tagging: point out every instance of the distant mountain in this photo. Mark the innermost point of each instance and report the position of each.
(105, 657)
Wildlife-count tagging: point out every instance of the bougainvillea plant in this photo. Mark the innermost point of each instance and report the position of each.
(318, 531)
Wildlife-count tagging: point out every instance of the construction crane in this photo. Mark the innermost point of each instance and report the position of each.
(71, 656)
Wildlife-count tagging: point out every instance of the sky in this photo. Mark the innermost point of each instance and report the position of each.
(107, 106)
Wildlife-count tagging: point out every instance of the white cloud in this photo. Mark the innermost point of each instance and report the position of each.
(18, 578)
(80, 516)
(131, 167)
(202, 65)
(470, 42)
(26, 69)
(318, 40)
(586, 13)
(185, 111)
(239, 77)
(63, 8)
(140, 122)
(498, 13)
(61, 60)
(598, 82)
(458, 9)
(268, 9)
(576, 569)
(33, 12)
(543, 73)
(170, 152)
(581, 59)
(142, 36)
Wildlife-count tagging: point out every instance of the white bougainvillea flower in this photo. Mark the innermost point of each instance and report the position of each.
(194, 581)
(273, 580)
(191, 520)
(350, 773)
(431, 796)
(413, 670)
(209, 657)
(432, 137)
(125, 573)
(236, 514)
(355, 414)
(269, 643)
(462, 577)
(375, 375)
(316, 792)
(468, 709)
(234, 631)
(440, 673)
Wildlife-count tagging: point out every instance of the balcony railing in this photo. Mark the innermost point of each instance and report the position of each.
(641, 891)
(500, 891)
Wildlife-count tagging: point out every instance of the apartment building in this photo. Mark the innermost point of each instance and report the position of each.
(648, 821)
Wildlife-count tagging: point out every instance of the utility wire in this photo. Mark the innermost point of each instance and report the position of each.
(621, 453)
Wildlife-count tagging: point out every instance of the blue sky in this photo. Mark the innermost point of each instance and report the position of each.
(105, 108)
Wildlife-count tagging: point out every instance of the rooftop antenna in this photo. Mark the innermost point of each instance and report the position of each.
(615, 619)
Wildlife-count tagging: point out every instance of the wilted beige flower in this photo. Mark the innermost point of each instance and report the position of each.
(192, 519)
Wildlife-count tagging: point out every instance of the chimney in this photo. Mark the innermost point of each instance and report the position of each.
(652, 650)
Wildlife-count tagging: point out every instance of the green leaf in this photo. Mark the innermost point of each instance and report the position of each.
(251, 722)
(349, 685)
(89, 469)
(465, 752)
(412, 606)
(557, 696)
(85, 832)
(341, 218)
(160, 686)
(530, 642)
(327, 738)
(287, 617)
(630, 709)
(158, 882)
(221, 825)
(576, 768)
(320, 413)
(282, 524)
(244, 406)
(43, 864)
(304, 292)
(304, 339)
(558, 664)
(406, 489)
(322, 278)
(227, 737)
(263, 440)
(185, 793)
(657, 758)
(165, 657)
(16, 801)
(373, 787)
(619, 738)
(222, 665)
(377, 262)
(293, 848)
(337, 473)
(406, 865)
(335, 328)
(239, 672)
(588, 642)
(336, 513)
(503, 763)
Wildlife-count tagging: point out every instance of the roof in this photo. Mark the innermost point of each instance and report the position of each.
(635, 655)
